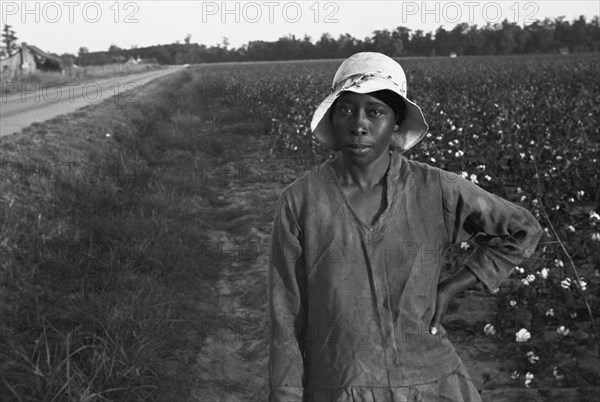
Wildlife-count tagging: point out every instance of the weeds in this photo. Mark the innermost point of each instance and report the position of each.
(95, 275)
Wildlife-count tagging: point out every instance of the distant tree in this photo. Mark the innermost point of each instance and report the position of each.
(457, 37)
(420, 44)
(500, 38)
(442, 42)
(9, 39)
(401, 38)
(325, 46)
(507, 43)
(384, 42)
(82, 50)
(67, 59)
(475, 41)
(346, 46)
(187, 39)
(542, 36)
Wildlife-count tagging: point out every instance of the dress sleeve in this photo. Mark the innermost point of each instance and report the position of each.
(287, 305)
(504, 233)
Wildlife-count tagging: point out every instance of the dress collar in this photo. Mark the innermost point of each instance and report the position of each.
(336, 191)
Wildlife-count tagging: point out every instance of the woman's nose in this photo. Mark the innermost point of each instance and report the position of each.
(359, 125)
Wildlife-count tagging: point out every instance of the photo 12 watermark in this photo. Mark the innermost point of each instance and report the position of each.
(70, 11)
(270, 12)
(70, 171)
(472, 12)
(69, 92)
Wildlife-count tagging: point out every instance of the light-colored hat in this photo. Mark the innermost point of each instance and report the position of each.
(367, 72)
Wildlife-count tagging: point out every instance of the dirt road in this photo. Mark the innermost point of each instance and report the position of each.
(39, 102)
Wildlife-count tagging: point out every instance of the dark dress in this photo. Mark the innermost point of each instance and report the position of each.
(350, 303)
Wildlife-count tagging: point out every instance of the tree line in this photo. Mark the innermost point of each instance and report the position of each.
(546, 36)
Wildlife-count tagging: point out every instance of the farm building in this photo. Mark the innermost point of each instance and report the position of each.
(29, 59)
(139, 60)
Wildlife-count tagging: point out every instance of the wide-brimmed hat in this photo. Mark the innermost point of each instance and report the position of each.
(363, 73)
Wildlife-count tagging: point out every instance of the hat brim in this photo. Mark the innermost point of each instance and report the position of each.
(411, 131)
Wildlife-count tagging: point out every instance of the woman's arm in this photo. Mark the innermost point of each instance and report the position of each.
(447, 290)
(287, 305)
(503, 235)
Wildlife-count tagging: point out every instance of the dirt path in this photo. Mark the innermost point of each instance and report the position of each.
(231, 362)
(40, 102)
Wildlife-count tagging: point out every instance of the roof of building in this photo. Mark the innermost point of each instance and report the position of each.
(40, 52)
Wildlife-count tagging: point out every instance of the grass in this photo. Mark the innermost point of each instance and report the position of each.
(101, 265)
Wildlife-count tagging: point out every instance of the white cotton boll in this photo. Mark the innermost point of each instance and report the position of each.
(522, 335)
(528, 379)
(532, 357)
(556, 374)
(489, 330)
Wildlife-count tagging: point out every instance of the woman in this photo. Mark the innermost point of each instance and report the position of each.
(358, 243)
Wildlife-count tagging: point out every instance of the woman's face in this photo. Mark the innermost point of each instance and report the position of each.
(363, 127)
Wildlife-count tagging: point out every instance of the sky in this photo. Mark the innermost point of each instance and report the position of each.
(65, 26)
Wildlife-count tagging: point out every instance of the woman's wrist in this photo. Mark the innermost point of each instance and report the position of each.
(462, 280)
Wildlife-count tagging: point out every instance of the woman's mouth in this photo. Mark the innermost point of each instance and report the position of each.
(358, 149)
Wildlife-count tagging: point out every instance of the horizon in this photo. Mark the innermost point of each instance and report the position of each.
(64, 27)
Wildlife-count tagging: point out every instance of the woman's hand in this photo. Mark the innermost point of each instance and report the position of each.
(447, 290)
(444, 297)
